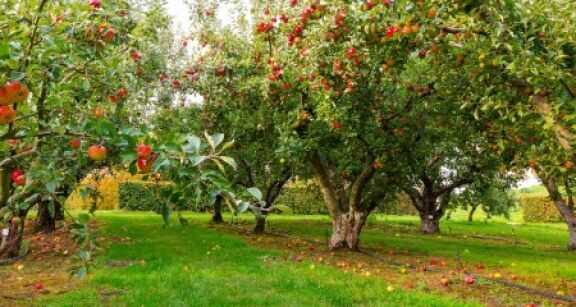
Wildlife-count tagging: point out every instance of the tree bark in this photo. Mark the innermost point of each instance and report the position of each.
(10, 245)
(45, 222)
(217, 216)
(346, 230)
(260, 226)
(572, 239)
(429, 213)
(566, 209)
(429, 223)
(347, 209)
(471, 213)
(4, 186)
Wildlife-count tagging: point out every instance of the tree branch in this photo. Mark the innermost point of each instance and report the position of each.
(14, 159)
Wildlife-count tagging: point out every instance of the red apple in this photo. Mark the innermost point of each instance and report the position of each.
(98, 112)
(143, 150)
(18, 177)
(480, 266)
(567, 164)
(7, 115)
(335, 125)
(97, 152)
(123, 92)
(75, 143)
(135, 55)
(13, 143)
(145, 164)
(113, 98)
(469, 280)
(95, 3)
(40, 286)
(107, 33)
(351, 52)
(422, 54)
(13, 92)
(445, 282)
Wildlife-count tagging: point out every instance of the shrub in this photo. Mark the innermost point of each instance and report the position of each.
(539, 209)
(108, 191)
(137, 196)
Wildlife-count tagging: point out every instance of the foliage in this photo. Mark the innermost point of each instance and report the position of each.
(493, 196)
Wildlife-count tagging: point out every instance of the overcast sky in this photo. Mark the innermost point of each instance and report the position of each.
(179, 11)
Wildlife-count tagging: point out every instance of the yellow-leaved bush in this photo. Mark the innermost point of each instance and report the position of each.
(108, 190)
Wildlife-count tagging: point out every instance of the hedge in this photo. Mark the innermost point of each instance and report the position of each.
(401, 206)
(305, 198)
(539, 209)
(137, 196)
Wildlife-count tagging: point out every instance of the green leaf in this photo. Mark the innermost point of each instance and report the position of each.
(229, 161)
(242, 207)
(255, 192)
(51, 187)
(197, 160)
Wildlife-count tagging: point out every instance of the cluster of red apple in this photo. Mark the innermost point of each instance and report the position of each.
(11, 93)
(146, 158)
(276, 72)
(120, 95)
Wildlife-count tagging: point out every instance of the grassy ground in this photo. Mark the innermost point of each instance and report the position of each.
(198, 266)
(144, 265)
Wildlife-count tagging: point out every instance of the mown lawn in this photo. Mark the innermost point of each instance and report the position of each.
(196, 266)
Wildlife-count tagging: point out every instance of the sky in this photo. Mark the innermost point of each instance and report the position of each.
(179, 10)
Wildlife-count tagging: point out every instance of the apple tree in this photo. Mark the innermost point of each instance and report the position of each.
(520, 56)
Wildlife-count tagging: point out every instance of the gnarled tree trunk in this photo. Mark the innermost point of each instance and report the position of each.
(429, 223)
(217, 216)
(348, 211)
(429, 213)
(346, 230)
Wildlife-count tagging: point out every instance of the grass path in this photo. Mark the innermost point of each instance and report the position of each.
(196, 266)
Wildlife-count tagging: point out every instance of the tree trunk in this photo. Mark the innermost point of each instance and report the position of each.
(430, 214)
(10, 245)
(260, 226)
(572, 240)
(59, 213)
(346, 230)
(45, 222)
(4, 186)
(429, 224)
(471, 213)
(217, 216)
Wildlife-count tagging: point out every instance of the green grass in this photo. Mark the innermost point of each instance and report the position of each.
(234, 274)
